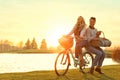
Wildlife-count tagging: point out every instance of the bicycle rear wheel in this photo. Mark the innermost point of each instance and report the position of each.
(62, 63)
(88, 59)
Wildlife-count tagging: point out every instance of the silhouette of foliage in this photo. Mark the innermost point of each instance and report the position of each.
(34, 44)
(28, 44)
(43, 45)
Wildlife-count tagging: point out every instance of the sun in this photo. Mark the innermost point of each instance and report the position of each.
(55, 33)
(57, 27)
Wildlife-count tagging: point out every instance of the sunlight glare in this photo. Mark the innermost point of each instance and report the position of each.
(56, 32)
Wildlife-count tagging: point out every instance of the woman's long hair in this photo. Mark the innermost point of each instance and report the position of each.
(80, 26)
(82, 22)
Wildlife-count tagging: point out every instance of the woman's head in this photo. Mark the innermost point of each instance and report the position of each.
(80, 20)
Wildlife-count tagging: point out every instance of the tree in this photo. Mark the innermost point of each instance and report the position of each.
(43, 45)
(7, 42)
(27, 44)
(6, 45)
(20, 44)
(34, 44)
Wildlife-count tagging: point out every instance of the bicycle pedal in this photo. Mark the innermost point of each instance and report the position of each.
(77, 62)
(75, 65)
(63, 64)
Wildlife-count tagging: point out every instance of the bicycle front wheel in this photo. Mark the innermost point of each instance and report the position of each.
(62, 63)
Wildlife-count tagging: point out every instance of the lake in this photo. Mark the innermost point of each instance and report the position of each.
(32, 62)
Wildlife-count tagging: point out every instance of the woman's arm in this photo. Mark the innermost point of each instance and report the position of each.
(82, 33)
(72, 31)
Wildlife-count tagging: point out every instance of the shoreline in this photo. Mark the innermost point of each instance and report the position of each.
(30, 51)
(111, 73)
(37, 51)
(54, 70)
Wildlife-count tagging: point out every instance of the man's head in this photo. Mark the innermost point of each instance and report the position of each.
(92, 21)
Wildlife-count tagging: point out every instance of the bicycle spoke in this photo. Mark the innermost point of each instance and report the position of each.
(61, 63)
(88, 58)
(62, 58)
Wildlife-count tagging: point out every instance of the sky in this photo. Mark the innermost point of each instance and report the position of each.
(50, 19)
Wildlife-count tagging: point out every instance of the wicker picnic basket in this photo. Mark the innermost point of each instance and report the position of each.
(66, 41)
(102, 42)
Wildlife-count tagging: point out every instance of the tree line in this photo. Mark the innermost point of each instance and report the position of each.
(6, 45)
(34, 45)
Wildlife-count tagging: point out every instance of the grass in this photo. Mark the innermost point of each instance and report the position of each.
(32, 51)
(111, 73)
(108, 53)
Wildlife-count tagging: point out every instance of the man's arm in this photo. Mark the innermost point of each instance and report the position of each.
(98, 34)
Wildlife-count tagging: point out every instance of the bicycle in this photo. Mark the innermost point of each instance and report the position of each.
(63, 61)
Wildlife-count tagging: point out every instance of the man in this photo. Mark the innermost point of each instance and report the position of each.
(93, 34)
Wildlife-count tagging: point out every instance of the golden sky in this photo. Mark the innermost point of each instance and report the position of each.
(23, 19)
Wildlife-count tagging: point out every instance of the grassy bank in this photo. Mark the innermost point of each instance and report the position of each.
(111, 73)
(32, 51)
(108, 53)
(37, 51)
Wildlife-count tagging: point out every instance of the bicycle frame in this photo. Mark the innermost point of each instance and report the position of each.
(67, 52)
(72, 55)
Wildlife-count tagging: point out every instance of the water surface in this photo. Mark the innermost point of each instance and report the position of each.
(32, 62)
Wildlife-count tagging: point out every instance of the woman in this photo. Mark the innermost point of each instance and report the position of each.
(79, 31)
(93, 34)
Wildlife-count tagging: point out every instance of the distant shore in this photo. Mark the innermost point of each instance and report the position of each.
(31, 51)
(38, 51)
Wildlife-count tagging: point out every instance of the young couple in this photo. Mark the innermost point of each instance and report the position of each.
(83, 35)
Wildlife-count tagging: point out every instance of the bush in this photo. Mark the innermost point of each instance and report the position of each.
(116, 54)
